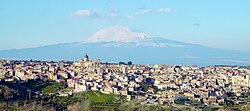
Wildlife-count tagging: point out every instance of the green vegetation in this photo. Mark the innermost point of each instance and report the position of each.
(52, 88)
(182, 101)
(181, 109)
(89, 101)
(211, 109)
(44, 87)
(96, 96)
(6, 92)
(84, 102)
(24, 106)
(68, 100)
(35, 86)
(244, 107)
(145, 87)
(136, 106)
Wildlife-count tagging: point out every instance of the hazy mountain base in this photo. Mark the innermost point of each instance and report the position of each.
(148, 51)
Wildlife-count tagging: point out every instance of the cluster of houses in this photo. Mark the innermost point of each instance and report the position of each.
(157, 84)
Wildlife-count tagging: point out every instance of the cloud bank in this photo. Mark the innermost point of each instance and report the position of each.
(111, 14)
(95, 13)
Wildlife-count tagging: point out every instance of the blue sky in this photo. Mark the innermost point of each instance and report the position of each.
(216, 23)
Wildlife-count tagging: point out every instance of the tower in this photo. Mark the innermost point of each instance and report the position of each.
(86, 58)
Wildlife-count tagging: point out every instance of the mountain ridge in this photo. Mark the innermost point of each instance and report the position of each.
(191, 54)
(120, 43)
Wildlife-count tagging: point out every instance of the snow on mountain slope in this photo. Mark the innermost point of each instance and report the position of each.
(116, 34)
(119, 36)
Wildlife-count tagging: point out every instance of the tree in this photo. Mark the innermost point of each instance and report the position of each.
(123, 63)
(145, 87)
(130, 63)
(137, 106)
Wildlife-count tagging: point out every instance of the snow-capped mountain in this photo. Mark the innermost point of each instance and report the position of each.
(118, 43)
(116, 34)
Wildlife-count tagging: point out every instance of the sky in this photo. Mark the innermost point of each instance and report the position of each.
(216, 23)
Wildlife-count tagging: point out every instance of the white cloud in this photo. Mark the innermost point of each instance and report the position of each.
(161, 10)
(114, 13)
(145, 11)
(84, 12)
(95, 13)
(130, 17)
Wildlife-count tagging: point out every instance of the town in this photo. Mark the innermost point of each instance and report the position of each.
(148, 84)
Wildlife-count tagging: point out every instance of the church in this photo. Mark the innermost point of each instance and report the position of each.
(86, 63)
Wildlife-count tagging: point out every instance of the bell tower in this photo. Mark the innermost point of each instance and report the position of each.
(86, 58)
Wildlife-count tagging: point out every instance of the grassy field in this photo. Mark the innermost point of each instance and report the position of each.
(44, 87)
(52, 88)
(96, 96)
